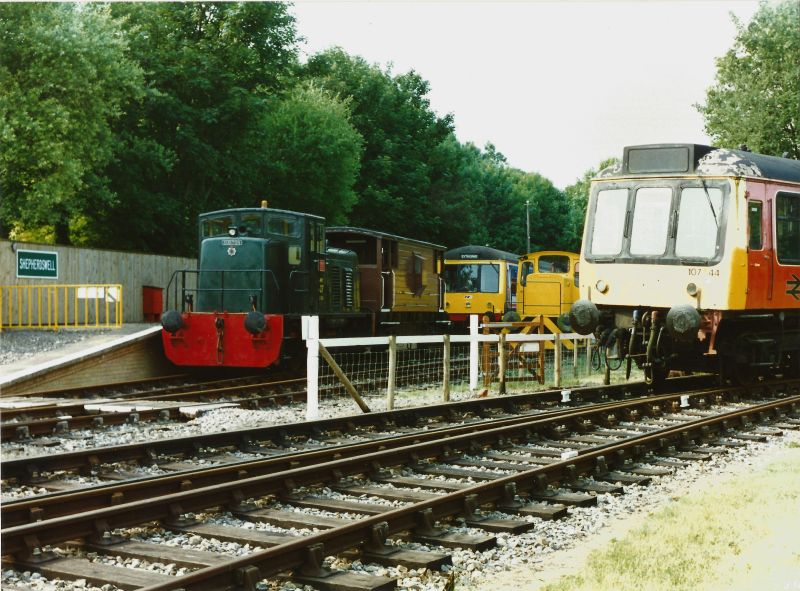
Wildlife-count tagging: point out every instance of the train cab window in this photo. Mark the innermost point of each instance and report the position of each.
(250, 224)
(609, 221)
(550, 263)
(651, 213)
(482, 278)
(754, 224)
(699, 217)
(215, 226)
(576, 276)
(787, 228)
(283, 226)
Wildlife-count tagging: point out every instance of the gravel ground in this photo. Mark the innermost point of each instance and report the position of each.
(17, 345)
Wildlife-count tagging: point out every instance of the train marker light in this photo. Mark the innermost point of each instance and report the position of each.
(601, 286)
(692, 290)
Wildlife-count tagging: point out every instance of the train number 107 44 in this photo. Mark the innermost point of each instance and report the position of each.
(698, 271)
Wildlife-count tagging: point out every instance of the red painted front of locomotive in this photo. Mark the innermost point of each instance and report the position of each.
(221, 339)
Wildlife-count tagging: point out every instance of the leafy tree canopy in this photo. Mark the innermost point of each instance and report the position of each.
(312, 154)
(755, 98)
(401, 135)
(198, 136)
(65, 76)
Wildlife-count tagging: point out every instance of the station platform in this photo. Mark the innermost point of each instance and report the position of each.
(130, 352)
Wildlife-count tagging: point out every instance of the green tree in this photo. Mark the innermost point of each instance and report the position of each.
(197, 141)
(312, 154)
(66, 75)
(401, 135)
(755, 98)
(549, 211)
(577, 196)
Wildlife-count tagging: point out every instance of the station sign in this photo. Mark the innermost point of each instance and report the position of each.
(37, 264)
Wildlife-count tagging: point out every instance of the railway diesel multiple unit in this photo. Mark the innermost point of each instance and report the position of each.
(479, 280)
(691, 261)
(260, 270)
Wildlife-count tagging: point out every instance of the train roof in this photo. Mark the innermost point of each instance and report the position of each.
(260, 210)
(474, 252)
(680, 159)
(377, 234)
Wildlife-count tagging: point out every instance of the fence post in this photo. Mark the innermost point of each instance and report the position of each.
(588, 355)
(501, 344)
(312, 367)
(392, 372)
(473, 352)
(575, 357)
(557, 359)
(446, 369)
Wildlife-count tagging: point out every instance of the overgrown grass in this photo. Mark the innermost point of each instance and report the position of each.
(739, 536)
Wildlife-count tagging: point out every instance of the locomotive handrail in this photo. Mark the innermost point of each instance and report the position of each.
(221, 289)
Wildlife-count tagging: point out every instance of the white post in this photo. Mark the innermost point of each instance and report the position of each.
(392, 372)
(446, 369)
(312, 369)
(473, 352)
(557, 359)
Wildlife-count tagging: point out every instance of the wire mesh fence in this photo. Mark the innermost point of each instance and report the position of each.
(421, 367)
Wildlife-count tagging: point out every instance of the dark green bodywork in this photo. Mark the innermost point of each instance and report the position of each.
(273, 261)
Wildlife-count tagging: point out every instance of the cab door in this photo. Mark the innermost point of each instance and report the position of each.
(759, 251)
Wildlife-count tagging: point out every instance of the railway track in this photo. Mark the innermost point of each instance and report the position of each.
(407, 484)
(155, 400)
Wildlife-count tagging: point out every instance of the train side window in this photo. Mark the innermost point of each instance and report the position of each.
(577, 274)
(754, 224)
(283, 226)
(651, 214)
(787, 228)
(609, 221)
(512, 280)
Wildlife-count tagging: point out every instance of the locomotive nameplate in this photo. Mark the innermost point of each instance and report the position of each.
(232, 242)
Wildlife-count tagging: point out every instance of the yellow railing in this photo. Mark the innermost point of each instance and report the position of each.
(60, 306)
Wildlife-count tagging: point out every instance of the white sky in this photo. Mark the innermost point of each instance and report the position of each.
(556, 86)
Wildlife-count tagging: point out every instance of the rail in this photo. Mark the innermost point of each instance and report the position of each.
(60, 306)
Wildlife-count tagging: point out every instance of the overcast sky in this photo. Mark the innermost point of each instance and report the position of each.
(556, 86)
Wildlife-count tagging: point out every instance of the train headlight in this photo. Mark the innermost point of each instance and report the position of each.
(601, 286)
(692, 290)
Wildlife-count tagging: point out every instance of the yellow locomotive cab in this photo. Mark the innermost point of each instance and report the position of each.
(548, 283)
